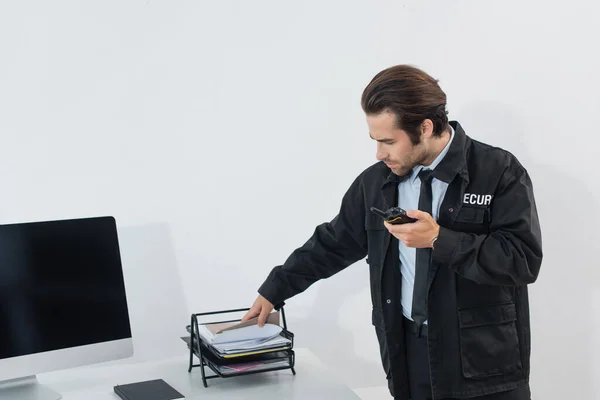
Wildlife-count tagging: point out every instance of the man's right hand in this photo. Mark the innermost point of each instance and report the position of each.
(261, 308)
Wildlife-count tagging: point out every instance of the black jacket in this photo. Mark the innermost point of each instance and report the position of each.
(488, 250)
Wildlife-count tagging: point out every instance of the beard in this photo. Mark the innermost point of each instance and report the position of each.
(417, 156)
(402, 170)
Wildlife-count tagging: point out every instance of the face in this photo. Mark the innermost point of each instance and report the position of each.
(394, 146)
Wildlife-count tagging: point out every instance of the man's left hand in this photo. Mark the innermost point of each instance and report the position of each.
(419, 234)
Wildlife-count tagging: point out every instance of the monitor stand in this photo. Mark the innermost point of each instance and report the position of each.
(26, 388)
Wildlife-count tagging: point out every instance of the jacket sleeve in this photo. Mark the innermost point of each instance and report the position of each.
(333, 246)
(511, 253)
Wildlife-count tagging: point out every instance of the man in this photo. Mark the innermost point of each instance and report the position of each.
(449, 291)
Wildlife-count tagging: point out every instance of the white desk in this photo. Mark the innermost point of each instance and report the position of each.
(312, 381)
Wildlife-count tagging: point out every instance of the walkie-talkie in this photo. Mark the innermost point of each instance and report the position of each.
(394, 215)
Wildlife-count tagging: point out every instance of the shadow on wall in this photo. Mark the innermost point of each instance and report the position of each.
(561, 300)
(157, 306)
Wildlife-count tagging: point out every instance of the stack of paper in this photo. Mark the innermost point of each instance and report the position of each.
(237, 339)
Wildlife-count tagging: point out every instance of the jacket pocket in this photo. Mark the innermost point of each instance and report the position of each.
(384, 351)
(472, 219)
(489, 342)
(472, 215)
(377, 318)
(375, 237)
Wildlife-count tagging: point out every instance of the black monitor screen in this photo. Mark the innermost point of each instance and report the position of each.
(61, 286)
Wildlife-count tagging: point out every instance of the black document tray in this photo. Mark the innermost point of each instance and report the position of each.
(212, 359)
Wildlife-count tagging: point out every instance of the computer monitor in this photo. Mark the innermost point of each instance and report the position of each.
(62, 301)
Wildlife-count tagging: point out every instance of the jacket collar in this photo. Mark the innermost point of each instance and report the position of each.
(453, 163)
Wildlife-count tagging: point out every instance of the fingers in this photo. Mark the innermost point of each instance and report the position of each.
(391, 227)
(263, 316)
(261, 309)
(415, 234)
(403, 232)
(418, 214)
(253, 312)
(399, 228)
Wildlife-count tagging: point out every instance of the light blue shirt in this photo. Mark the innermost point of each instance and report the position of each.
(408, 199)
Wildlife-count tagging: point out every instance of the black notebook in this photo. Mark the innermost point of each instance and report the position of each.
(148, 390)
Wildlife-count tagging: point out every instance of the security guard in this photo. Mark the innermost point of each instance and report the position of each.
(449, 289)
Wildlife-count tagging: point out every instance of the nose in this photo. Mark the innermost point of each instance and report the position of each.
(380, 154)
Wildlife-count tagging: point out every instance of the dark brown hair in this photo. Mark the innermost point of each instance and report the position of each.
(412, 95)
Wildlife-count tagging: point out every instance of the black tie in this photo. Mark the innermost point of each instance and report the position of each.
(419, 306)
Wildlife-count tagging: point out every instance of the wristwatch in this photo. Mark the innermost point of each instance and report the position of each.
(433, 242)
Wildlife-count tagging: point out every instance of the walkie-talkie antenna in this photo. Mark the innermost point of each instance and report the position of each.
(379, 212)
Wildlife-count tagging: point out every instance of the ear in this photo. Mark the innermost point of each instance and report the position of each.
(427, 128)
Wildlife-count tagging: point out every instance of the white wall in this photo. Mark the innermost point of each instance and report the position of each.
(200, 125)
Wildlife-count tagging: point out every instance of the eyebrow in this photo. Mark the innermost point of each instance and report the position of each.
(388, 140)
